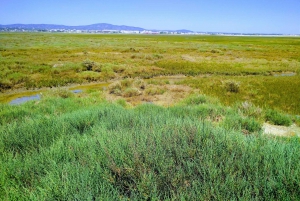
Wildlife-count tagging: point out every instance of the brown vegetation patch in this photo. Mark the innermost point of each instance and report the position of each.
(136, 91)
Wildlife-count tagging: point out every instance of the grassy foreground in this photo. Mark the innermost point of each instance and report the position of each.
(89, 149)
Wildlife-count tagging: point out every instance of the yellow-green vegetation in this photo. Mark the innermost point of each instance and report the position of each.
(281, 92)
(81, 147)
(263, 70)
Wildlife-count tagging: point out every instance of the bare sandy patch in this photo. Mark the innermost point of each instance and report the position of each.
(282, 131)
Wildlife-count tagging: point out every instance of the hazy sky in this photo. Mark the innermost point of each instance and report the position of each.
(247, 16)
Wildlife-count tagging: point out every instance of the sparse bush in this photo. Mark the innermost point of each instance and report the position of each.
(107, 72)
(248, 109)
(121, 102)
(278, 118)
(126, 82)
(157, 56)
(115, 88)
(154, 91)
(118, 68)
(235, 121)
(88, 65)
(232, 86)
(215, 51)
(60, 92)
(251, 125)
(129, 92)
(297, 120)
(5, 84)
(196, 100)
(140, 84)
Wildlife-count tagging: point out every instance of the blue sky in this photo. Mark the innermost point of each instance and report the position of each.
(251, 16)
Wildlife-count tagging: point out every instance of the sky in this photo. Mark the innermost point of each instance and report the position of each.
(238, 16)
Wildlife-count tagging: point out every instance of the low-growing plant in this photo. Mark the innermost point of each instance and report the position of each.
(121, 102)
(232, 86)
(126, 82)
(5, 84)
(249, 109)
(107, 72)
(139, 83)
(88, 65)
(237, 122)
(154, 91)
(129, 92)
(60, 92)
(115, 88)
(277, 118)
(196, 99)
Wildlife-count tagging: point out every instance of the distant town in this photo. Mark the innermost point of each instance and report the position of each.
(104, 28)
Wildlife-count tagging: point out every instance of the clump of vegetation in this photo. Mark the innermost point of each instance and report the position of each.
(107, 72)
(249, 109)
(232, 86)
(60, 92)
(139, 83)
(5, 84)
(129, 92)
(121, 102)
(115, 88)
(88, 65)
(215, 51)
(245, 124)
(197, 99)
(127, 87)
(126, 82)
(155, 91)
(277, 118)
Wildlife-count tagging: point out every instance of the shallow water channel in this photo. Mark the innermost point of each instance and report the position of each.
(24, 99)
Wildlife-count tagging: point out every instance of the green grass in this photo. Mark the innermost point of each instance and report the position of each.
(84, 148)
(277, 118)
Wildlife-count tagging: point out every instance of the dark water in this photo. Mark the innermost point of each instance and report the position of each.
(24, 99)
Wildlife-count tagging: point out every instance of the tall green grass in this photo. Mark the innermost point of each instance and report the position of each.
(89, 149)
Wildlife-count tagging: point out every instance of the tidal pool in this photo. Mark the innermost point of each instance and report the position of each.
(24, 99)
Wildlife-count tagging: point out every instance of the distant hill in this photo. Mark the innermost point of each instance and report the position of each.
(97, 27)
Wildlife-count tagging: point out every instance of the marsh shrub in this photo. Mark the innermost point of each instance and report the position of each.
(236, 122)
(278, 118)
(232, 86)
(108, 72)
(60, 92)
(129, 92)
(139, 83)
(248, 109)
(88, 65)
(196, 100)
(5, 84)
(251, 125)
(115, 88)
(121, 102)
(154, 91)
(126, 82)
(118, 68)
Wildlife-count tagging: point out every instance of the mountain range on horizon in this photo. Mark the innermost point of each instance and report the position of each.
(95, 27)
